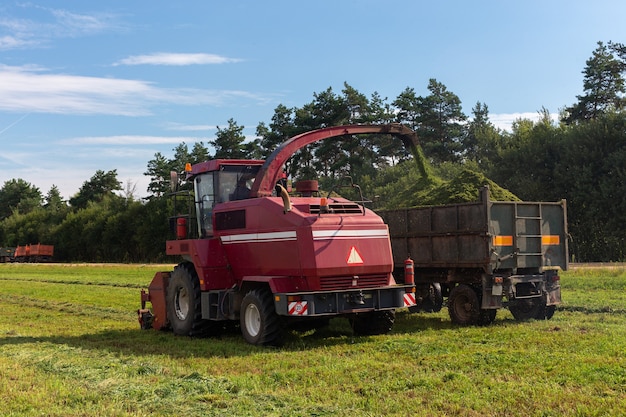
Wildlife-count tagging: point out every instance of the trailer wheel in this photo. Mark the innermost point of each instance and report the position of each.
(260, 325)
(376, 322)
(432, 303)
(549, 312)
(546, 313)
(435, 299)
(487, 316)
(183, 303)
(464, 305)
(524, 310)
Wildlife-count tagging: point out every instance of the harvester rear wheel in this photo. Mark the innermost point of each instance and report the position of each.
(184, 310)
(260, 325)
(464, 305)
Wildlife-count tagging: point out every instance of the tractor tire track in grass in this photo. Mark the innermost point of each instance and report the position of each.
(592, 310)
(66, 307)
(82, 378)
(75, 282)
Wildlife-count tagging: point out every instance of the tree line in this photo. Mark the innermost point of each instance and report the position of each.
(581, 158)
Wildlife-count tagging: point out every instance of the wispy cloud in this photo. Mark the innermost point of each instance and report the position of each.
(27, 89)
(18, 33)
(505, 121)
(74, 24)
(176, 59)
(188, 128)
(127, 140)
(16, 42)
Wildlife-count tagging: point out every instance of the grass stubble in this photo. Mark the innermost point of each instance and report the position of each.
(70, 346)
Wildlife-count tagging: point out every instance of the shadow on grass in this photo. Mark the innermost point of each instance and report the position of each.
(229, 342)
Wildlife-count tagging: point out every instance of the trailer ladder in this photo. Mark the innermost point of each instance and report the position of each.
(528, 237)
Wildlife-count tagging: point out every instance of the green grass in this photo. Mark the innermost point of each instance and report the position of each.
(70, 346)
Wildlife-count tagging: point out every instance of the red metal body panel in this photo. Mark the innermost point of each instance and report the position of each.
(307, 248)
(299, 244)
(209, 259)
(156, 296)
(215, 164)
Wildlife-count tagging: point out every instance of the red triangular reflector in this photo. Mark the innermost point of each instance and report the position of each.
(354, 258)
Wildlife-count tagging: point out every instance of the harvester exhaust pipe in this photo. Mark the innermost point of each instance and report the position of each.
(282, 191)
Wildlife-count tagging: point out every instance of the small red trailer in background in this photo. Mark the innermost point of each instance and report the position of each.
(34, 253)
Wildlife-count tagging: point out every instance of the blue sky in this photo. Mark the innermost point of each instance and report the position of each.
(87, 86)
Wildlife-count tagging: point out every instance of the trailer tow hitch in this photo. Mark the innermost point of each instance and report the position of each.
(356, 298)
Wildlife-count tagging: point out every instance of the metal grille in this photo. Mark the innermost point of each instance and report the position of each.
(347, 282)
(338, 208)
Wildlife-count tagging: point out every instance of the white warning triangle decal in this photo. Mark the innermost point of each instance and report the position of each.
(354, 258)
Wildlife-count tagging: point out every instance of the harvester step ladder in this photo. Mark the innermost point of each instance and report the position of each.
(214, 304)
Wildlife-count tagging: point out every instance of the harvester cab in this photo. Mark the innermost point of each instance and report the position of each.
(219, 181)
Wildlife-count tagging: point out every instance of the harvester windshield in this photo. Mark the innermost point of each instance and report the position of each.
(229, 183)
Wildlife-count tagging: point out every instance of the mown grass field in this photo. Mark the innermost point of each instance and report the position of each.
(70, 345)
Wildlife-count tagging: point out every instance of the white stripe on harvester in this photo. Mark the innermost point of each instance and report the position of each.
(259, 237)
(350, 234)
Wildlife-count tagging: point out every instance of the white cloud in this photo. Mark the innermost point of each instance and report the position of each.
(127, 140)
(188, 128)
(505, 121)
(28, 89)
(14, 42)
(18, 33)
(178, 59)
(74, 24)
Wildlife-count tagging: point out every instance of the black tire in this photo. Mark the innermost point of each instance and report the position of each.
(487, 316)
(145, 320)
(184, 310)
(306, 325)
(376, 322)
(435, 299)
(464, 305)
(260, 325)
(546, 313)
(432, 303)
(524, 310)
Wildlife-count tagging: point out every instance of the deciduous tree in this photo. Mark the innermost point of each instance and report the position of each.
(17, 194)
(100, 185)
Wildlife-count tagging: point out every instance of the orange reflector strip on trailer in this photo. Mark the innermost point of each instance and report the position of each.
(503, 241)
(550, 240)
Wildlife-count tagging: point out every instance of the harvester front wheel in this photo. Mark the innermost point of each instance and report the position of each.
(184, 310)
(260, 325)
